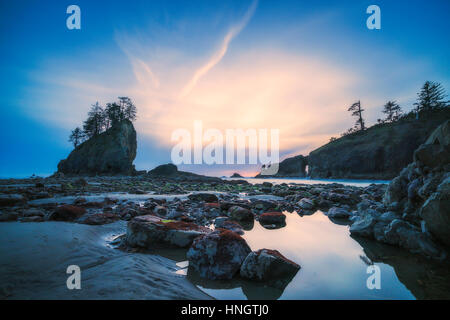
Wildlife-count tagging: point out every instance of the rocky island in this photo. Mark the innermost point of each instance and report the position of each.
(109, 153)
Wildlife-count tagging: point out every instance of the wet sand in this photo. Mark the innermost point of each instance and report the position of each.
(34, 258)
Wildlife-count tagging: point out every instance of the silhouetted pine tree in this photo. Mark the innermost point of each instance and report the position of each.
(95, 122)
(357, 112)
(113, 113)
(431, 97)
(100, 119)
(76, 137)
(392, 110)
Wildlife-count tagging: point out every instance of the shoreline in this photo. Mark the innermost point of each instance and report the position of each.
(100, 203)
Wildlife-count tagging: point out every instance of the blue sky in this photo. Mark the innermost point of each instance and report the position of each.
(292, 65)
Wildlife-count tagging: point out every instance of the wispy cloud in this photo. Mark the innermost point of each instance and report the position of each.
(143, 72)
(215, 59)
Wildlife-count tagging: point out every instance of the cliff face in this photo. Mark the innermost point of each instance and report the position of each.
(111, 152)
(422, 190)
(415, 213)
(380, 152)
(290, 167)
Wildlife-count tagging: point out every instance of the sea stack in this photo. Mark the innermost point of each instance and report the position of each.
(111, 152)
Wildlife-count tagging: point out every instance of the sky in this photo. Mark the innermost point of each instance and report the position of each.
(294, 66)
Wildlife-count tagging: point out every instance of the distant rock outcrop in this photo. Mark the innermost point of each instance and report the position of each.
(164, 170)
(111, 152)
(290, 167)
(170, 171)
(380, 152)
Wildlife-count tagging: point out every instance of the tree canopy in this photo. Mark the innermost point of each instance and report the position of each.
(431, 97)
(101, 119)
(392, 110)
(76, 137)
(357, 112)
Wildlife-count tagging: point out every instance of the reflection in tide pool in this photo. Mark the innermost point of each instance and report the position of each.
(333, 265)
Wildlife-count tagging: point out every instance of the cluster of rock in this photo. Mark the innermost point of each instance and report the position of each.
(231, 212)
(412, 212)
(215, 254)
(415, 212)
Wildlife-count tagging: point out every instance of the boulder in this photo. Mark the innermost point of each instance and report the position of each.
(160, 211)
(67, 213)
(404, 234)
(8, 216)
(435, 151)
(9, 200)
(363, 227)
(338, 213)
(218, 255)
(337, 197)
(436, 212)
(33, 212)
(277, 218)
(388, 216)
(263, 205)
(98, 218)
(430, 185)
(269, 266)
(148, 230)
(306, 204)
(212, 205)
(225, 223)
(80, 182)
(206, 197)
(413, 187)
(240, 214)
(111, 152)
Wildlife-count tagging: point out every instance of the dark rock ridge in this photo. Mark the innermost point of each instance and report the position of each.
(415, 213)
(379, 152)
(170, 171)
(290, 167)
(111, 152)
(164, 170)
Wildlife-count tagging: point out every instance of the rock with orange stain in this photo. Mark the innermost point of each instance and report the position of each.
(146, 231)
(218, 255)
